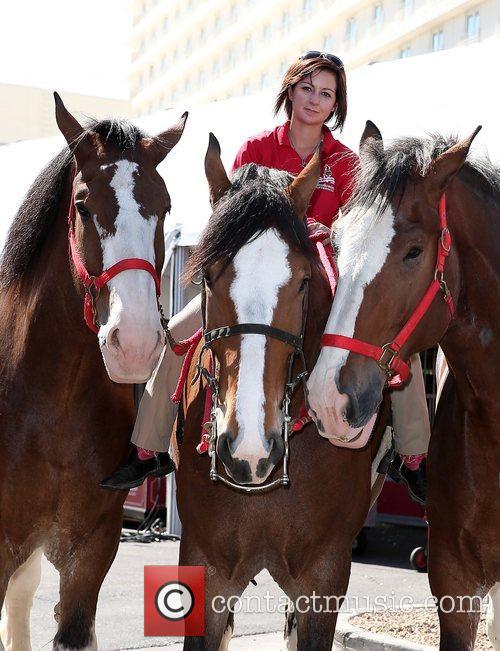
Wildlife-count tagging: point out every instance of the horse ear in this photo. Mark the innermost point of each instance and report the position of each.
(447, 164)
(303, 185)
(164, 142)
(371, 137)
(218, 181)
(72, 130)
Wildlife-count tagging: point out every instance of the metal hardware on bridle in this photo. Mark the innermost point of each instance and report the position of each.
(94, 284)
(296, 341)
(387, 356)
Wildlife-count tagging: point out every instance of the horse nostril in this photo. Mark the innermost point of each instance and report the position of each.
(113, 340)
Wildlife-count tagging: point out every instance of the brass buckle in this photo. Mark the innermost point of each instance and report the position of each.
(387, 358)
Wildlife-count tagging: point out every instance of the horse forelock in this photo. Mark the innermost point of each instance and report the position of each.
(255, 202)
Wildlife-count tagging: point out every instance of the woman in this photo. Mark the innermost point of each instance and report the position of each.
(313, 92)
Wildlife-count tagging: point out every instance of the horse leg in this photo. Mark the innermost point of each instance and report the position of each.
(316, 594)
(82, 572)
(290, 634)
(458, 591)
(15, 624)
(493, 617)
(219, 621)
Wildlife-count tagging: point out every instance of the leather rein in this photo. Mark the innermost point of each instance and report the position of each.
(388, 355)
(94, 284)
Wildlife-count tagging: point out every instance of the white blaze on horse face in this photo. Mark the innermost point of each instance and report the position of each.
(363, 241)
(131, 338)
(261, 268)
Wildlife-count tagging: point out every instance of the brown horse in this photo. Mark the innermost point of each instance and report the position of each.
(63, 423)
(408, 248)
(260, 282)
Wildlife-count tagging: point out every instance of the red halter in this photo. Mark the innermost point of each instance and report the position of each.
(387, 356)
(93, 284)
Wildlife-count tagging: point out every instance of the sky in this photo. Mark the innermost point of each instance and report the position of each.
(66, 45)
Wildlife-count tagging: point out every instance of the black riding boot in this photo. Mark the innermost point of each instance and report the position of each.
(415, 480)
(134, 471)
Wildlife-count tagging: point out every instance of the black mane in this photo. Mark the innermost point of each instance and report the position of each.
(382, 172)
(254, 203)
(36, 215)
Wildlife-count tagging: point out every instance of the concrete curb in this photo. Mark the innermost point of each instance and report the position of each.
(353, 638)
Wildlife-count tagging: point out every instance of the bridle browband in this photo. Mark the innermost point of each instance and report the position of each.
(387, 356)
(94, 284)
(295, 341)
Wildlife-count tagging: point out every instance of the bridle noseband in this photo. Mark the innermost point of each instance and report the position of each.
(94, 284)
(296, 342)
(387, 356)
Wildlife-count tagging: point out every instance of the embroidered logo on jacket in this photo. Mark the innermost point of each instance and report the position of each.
(326, 180)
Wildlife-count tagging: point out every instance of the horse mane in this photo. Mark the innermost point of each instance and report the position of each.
(255, 202)
(384, 171)
(36, 215)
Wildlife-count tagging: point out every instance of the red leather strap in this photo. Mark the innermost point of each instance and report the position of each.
(387, 357)
(97, 282)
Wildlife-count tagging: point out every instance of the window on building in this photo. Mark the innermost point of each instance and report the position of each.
(407, 7)
(285, 22)
(473, 25)
(203, 35)
(189, 47)
(233, 13)
(405, 52)
(352, 32)
(165, 24)
(215, 67)
(248, 47)
(267, 33)
(217, 23)
(307, 8)
(378, 15)
(246, 88)
(231, 57)
(283, 67)
(151, 72)
(328, 43)
(438, 41)
(264, 80)
(164, 63)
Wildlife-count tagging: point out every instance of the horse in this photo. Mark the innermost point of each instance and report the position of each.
(265, 299)
(66, 395)
(424, 222)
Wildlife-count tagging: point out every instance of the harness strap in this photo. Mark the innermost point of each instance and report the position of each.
(93, 284)
(387, 356)
(256, 329)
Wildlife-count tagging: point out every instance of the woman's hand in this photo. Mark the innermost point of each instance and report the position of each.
(315, 228)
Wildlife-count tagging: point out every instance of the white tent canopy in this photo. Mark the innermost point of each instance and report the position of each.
(451, 91)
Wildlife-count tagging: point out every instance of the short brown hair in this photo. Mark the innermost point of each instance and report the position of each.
(304, 68)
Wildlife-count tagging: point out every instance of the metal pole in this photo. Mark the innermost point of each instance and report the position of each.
(177, 302)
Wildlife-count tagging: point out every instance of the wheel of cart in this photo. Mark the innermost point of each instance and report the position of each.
(360, 543)
(418, 559)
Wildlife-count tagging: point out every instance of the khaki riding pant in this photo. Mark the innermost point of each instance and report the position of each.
(156, 414)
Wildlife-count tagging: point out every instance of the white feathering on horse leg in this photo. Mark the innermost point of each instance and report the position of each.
(226, 638)
(493, 616)
(91, 647)
(15, 622)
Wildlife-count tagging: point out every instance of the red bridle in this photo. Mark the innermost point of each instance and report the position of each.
(93, 284)
(387, 356)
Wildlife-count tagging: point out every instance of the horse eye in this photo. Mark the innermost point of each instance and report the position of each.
(207, 279)
(82, 210)
(304, 284)
(413, 253)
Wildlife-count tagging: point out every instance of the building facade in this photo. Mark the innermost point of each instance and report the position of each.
(191, 51)
(28, 112)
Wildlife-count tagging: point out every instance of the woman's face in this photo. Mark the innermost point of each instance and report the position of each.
(314, 97)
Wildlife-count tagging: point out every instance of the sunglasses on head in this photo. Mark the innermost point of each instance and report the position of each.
(316, 54)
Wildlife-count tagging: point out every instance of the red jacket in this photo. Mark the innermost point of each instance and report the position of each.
(273, 149)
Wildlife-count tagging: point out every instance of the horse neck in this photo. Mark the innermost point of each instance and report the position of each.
(470, 344)
(41, 313)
